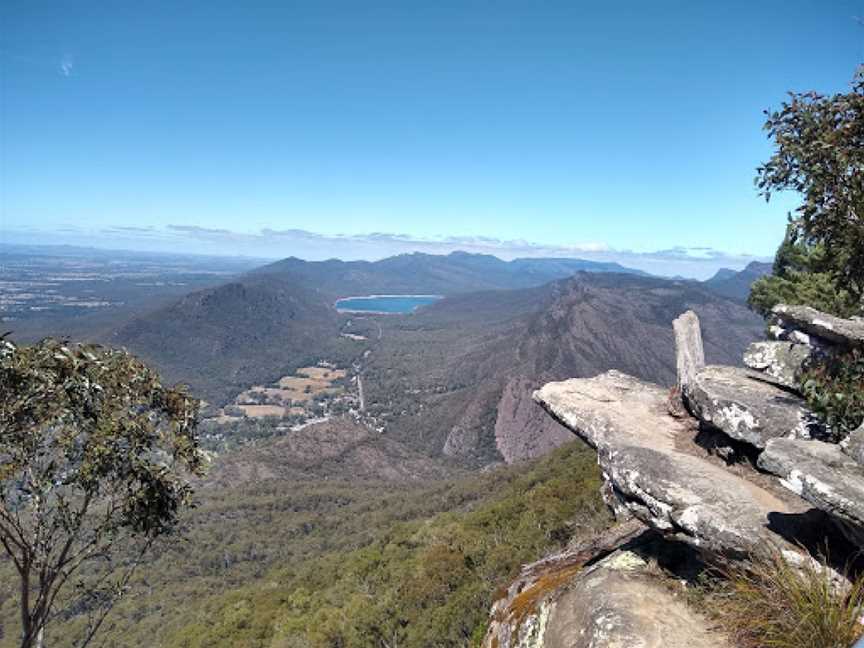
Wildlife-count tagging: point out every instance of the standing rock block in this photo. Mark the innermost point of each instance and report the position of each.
(747, 408)
(824, 476)
(690, 355)
(843, 332)
(783, 361)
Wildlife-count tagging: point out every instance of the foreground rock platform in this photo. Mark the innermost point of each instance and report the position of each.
(602, 594)
(823, 475)
(618, 602)
(627, 422)
(746, 406)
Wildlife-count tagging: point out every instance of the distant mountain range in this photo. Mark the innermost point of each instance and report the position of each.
(268, 321)
(455, 378)
(280, 316)
(478, 357)
(457, 272)
(736, 284)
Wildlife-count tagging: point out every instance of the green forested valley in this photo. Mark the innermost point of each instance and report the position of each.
(345, 564)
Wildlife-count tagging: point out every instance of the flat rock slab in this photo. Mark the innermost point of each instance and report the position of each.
(626, 420)
(824, 476)
(844, 332)
(747, 408)
(783, 361)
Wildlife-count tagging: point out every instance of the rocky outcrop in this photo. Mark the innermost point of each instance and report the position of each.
(639, 450)
(824, 476)
(783, 361)
(746, 407)
(518, 618)
(660, 469)
(800, 322)
(518, 413)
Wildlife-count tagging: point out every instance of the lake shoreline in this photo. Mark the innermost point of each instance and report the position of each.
(367, 298)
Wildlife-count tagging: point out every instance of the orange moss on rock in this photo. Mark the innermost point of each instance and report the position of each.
(526, 602)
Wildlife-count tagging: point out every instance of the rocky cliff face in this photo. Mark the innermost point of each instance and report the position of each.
(599, 322)
(669, 461)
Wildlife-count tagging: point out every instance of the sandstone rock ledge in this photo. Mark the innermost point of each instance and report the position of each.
(783, 361)
(626, 420)
(824, 476)
(789, 320)
(746, 406)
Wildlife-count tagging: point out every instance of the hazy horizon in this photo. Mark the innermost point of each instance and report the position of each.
(660, 264)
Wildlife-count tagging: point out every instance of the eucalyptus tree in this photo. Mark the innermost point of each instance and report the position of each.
(95, 461)
(818, 153)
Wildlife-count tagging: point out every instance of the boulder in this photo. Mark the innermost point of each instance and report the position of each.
(673, 491)
(853, 445)
(746, 407)
(782, 361)
(839, 331)
(823, 475)
(518, 618)
(619, 602)
(690, 355)
(600, 593)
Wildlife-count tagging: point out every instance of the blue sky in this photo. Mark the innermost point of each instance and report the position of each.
(626, 130)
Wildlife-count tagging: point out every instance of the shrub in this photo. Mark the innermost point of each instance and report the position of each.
(834, 390)
(818, 155)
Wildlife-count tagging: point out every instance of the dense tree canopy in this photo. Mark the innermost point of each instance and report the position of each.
(797, 279)
(94, 454)
(819, 153)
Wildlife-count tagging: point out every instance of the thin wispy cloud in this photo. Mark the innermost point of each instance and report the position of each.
(66, 65)
(697, 262)
(486, 244)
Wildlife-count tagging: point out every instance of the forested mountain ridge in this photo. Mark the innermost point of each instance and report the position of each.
(220, 340)
(457, 272)
(454, 379)
(279, 317)
(736, 285)
(278, 562)
(464, 390)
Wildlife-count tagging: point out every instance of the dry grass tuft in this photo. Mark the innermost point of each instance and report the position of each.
(768, 603)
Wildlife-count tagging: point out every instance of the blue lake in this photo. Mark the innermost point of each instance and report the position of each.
(385, 303)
